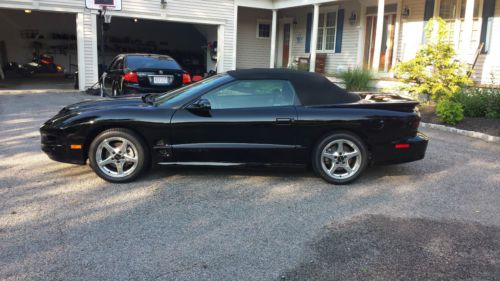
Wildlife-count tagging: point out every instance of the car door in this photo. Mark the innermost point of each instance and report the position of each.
(244, 121)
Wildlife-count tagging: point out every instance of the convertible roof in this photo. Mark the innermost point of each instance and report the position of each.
(311, 88)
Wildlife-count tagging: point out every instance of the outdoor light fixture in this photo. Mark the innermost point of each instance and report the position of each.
(405, 12)
(27, 11)
(353, 18)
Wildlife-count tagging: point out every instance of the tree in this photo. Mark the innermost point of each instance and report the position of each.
(434, 72)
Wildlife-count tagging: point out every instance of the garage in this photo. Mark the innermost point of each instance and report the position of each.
(193, 46)
(38, 49)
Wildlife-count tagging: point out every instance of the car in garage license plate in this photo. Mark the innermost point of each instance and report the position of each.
(163, 80)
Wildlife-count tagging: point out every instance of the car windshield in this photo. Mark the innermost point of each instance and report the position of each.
(178, 94)
(155, 62)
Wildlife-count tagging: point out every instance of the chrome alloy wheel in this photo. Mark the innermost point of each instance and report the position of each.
(116, 157)
(341, 159)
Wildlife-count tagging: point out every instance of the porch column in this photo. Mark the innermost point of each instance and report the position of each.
(314, 38)
(273, 39)
(378, 35)
(468, 22)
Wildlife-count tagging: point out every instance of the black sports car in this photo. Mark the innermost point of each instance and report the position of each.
(143, 73)
(258, 116)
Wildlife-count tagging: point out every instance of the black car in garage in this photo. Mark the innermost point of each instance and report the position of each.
(130, 74)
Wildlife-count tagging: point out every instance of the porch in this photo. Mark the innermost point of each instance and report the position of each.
(373, 34)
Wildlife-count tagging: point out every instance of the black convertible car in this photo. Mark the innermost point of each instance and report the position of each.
(258, 116)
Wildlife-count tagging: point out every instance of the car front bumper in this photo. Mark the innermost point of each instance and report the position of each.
(58, 147)
(413, 149)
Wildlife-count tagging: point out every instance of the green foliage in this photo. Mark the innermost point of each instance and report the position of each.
(356, 79)
(450, 112)
(434, 72)
(479, 102)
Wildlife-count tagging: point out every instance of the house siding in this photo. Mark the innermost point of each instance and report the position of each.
(252, 52)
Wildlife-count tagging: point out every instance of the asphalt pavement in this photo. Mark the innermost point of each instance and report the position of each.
(435, 219)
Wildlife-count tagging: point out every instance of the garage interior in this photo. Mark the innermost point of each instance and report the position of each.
(187, 43)
(25, 35)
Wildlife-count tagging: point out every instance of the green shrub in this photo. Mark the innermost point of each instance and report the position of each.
(356, 79)
(479, 102)
(450, 112)
(434, 72)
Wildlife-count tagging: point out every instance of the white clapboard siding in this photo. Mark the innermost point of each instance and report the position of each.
(252, 52)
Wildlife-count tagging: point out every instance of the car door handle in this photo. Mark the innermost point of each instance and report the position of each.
(284, 121)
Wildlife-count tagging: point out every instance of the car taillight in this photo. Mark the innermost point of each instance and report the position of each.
(186, 79)
(131, 77)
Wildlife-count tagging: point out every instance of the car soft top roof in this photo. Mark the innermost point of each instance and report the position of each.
(311, 88)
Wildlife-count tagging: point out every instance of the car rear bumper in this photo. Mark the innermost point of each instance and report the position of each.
(133, 89)
(401, 151)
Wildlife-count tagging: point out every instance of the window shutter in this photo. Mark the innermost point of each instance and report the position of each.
(340, 31)
(488, 12)
(429, 9)
(308, 32)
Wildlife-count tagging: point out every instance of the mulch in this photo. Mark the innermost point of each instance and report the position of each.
(478, 124)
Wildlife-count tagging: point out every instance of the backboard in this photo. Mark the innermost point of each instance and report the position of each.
(110, 5)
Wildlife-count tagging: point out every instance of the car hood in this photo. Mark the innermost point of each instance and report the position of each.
(127, 102)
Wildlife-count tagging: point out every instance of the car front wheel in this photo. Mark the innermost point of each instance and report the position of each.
(118, 155)
(340, 158)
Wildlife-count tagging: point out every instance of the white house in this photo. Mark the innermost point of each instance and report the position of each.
(277, 33)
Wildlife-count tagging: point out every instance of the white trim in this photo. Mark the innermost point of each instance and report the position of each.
(259, 22)
(235, 36)
(378, 35)
(314, 39)
(80, 51)
(220, 48)
(397, 27)
(362, 35)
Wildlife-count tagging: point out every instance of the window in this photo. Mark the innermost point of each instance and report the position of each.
(327, 24)
(252, 94)
(448, 9)
(263, 29)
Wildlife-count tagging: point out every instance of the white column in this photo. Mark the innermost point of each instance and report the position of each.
(314, 38)
(220, 49)
(397, 27)
(468, 25)
(362, 34)
(273, 39)
(235, 36)
(80, 45)
(378, 35)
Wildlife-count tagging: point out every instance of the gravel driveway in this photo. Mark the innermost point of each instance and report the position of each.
(436, 219)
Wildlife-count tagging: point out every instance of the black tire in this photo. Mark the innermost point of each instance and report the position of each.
(318, 160)
(137, 146)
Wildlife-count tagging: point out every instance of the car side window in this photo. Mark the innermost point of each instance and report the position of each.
(252, 94)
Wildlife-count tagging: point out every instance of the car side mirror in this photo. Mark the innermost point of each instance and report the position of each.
(201, 104)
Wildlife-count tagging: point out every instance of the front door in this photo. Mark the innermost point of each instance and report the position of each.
(386, 52)
(286, 44)
(249, 121)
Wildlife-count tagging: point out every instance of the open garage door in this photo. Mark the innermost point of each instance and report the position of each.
(193, 46)
(38, 50)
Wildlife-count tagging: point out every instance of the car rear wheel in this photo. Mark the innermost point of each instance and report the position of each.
(340, 158)
(118, 155)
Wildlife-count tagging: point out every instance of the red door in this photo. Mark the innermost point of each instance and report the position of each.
(286, 44)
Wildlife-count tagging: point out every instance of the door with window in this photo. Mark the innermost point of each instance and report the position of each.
(453, 12)
(249, 121)
(387, 50)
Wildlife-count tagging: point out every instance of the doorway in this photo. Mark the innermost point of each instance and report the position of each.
(286, 44)
(387, 50)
